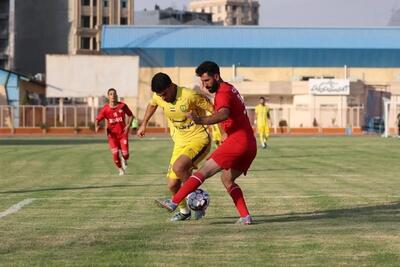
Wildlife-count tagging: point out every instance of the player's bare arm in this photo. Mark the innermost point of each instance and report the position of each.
(217, 117)
(128, 124)
(147, 116)
(96, 126)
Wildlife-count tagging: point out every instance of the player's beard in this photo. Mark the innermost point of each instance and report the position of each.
(213, 87)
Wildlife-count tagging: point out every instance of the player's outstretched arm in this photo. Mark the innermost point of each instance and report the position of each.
(217, 117)
(147, 116)
(128, 124)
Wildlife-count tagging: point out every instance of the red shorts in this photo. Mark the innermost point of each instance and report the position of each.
(236, 152)
(119, 142)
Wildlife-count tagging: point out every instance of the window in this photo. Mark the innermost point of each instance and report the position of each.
(94, 2)
(106, 3)
(306, 78)
(106, 20)
(124, 21)
(94, 21)
(94, 44)
(85, 21)
(85, 43)
(3, 45)
(3, 63)
(124, 3)
(234, 21)
(85, 2)
(302, 107)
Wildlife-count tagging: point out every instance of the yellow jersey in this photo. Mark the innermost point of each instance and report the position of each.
(186, 100)
(216, 133)
(262, 114)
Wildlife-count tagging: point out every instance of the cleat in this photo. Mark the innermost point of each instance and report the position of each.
(198, 214)
(245, 220)
(179, 216)
(121, 172)
(124, 164)
(167, 204)
(264, 145)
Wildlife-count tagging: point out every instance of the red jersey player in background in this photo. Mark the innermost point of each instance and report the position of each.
(235, 155)
(117, 130)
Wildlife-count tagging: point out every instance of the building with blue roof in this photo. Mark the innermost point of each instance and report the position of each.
(256, 46)
(278, 63)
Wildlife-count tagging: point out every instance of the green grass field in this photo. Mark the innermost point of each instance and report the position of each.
(317, 201)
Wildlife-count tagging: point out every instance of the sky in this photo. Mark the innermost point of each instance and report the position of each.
(311, 13)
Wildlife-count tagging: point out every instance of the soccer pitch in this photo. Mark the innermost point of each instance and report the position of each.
(320, 201)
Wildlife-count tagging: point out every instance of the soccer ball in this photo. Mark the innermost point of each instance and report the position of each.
(198, 200)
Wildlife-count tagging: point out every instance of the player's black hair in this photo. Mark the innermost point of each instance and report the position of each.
(263, 98)
(160, 82)
(209, 67)
(111, 89)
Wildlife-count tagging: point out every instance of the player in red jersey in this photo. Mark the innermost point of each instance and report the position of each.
(117, 130)
(235, 155)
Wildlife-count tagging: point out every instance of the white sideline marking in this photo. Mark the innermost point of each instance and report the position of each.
(16, 207)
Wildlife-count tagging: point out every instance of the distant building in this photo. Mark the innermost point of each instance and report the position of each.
(171, 16)
(88, 18)
(6, 34)
(311, 77)
(228, 12)
(54, 27)
(395, 18)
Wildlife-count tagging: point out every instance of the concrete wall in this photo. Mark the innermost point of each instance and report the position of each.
(286, 95)
(91, 76)
(5, 118)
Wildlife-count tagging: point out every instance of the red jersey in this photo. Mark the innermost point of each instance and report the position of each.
(228, 97)
(115, 117)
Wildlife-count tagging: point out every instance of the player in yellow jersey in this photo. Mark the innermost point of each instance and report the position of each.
(262, 122)
(192, 141)
(216, 134)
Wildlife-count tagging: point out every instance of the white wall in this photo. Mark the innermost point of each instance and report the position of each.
(91, 75)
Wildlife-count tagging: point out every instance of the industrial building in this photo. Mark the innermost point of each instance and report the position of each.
(353, 69)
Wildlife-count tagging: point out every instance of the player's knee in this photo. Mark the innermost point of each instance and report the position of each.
(180, 170)
(125, 154)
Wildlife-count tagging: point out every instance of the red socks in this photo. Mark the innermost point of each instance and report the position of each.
(237, 196)
(189, 186)
(197, 179)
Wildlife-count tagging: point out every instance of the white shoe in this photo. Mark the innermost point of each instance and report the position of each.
(124, 164)
(264, 145)
(245, 220)
(121, 172)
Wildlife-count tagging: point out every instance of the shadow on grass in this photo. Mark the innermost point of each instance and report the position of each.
(325, 155)
(277, 169)
(75, 188)
(376, 213)
(55, 141)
